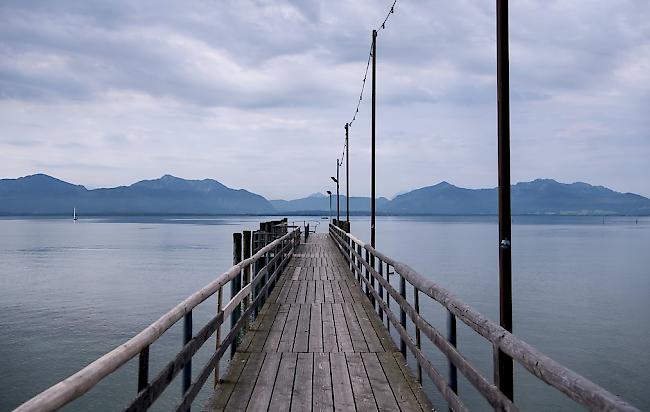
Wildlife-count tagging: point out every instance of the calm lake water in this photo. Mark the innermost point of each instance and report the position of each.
(69, 292)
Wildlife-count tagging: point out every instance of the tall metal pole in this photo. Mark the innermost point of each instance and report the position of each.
(338, 202)
(372, 167)
(504, 377)
(347, 174)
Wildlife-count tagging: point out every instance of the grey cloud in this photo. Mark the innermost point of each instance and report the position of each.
(282, 77)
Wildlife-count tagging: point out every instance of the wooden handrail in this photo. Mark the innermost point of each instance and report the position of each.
(574, 385)
(82, 381)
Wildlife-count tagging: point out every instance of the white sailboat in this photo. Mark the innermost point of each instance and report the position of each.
(74, 213)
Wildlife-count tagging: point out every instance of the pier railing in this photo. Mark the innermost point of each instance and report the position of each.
(273, 247)
(373, 270)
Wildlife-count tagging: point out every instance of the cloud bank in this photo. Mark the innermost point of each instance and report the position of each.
(255, 93)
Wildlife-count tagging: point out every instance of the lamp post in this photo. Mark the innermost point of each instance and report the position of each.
(330, 194)
(336, 180)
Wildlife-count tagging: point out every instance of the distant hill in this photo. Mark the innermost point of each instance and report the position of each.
(320, 203)
(45, 195)
(539, 197)
(42, 194)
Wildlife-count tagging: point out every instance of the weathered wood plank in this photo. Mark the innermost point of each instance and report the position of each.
(241, 395)
(363, 396)
(356, 335)
(264, 328)
(341, 385)
(328, 293)
(275, 334)
(381, 390)
(284, 381)
(302, 291)
(316, 329)
(219, 399)
(301, 341)
(263, 390)
(320, 292)
(330, 343)
(341, 327)
(410, 380)
(289, 331)
(336, 289)
(368, 329)
(323, 399)
(399, 383)
(302, 390)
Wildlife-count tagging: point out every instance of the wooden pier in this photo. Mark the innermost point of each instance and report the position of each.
(318, 345)
(304, 331)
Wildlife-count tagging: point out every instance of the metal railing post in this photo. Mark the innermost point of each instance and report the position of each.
(418, 342)
(187, 336)
(217, 372)
(388, 297)
(247, 271)
(235, 286)
(402, 313)
(381, 288)
(451, 338)
(143, 368)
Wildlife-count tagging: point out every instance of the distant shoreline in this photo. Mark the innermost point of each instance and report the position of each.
(309, 214)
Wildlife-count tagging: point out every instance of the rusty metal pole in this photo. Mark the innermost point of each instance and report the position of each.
(504, 375)
(372, 167)
(347, 175)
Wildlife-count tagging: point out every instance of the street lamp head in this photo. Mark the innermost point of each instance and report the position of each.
(334, 179)
(329, 193)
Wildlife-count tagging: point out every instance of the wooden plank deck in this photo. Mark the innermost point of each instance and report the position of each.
(317, 345)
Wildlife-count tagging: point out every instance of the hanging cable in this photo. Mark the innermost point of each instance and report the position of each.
(365, 75)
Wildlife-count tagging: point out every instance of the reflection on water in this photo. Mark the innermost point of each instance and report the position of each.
(70, 292)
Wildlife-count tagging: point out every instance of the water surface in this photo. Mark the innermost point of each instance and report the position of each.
(70, 292)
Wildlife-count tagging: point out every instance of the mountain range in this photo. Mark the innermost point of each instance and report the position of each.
(41, 194)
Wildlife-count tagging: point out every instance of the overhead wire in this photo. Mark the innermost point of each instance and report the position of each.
(382, 26)
(365, 76)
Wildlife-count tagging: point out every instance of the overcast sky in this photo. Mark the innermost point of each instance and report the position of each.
(255, 94)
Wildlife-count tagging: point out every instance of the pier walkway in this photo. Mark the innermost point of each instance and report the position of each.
(318, 345)
(301, 334)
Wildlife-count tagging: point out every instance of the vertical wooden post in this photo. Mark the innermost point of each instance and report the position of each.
(187, 336)
(418, 342)
(504, 369)
(235, 286)
(217, 372)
